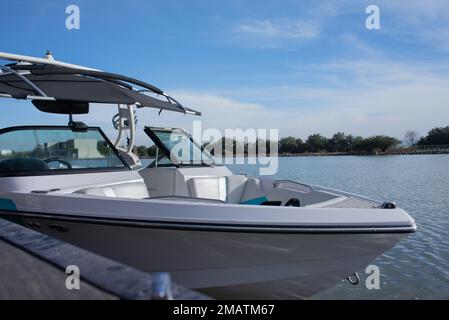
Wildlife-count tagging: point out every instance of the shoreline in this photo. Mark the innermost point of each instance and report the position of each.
(338, 154)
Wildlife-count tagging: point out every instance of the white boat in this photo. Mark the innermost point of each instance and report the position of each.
(227, 235)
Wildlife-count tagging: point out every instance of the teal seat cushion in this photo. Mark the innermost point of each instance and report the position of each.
(255, 201)
(7, 204)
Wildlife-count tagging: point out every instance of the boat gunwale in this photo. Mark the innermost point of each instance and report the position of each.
(208, 227)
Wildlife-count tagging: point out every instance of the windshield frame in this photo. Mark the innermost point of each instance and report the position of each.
(125, 167)
(167, 152)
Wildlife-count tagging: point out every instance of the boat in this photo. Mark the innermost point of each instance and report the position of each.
(224, 234)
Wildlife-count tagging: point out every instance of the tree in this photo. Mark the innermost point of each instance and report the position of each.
(300, 146)
(386, 142)
(287, 145)
(316, 142)
(339, 143)
(375, 144)
(142, 151)
(358, 144)
(151, 151)
(411, 138)
(351, 140)
(436, 136)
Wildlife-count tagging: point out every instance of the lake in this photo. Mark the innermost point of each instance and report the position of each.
(418, 267)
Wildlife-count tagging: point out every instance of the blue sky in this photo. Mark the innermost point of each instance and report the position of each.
(299, 66)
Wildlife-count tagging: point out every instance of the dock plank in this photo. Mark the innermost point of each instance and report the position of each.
(26, 277)
(32, 266)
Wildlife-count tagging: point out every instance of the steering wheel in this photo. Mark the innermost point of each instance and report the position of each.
(67, 164)
(293, 202)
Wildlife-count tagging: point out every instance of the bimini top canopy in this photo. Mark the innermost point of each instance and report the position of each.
(63, 85)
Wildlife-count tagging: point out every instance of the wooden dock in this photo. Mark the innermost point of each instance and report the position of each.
(23, 276)
(33, 265)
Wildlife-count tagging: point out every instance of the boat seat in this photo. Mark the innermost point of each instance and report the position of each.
(253, 192)
(133, 190)
(207, 187)
(237, 189)
(243, 190)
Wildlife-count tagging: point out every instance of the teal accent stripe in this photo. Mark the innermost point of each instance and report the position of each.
(7, 204)
(255, 201)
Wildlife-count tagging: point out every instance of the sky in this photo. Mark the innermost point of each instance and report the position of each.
(302, 67)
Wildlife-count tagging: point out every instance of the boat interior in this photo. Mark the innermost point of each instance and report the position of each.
(174, 175)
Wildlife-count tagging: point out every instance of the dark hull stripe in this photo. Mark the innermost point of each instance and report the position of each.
(310, 229)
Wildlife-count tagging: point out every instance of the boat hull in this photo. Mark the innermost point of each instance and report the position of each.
(226, 264)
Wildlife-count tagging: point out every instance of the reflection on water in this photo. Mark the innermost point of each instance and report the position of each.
(417, 268)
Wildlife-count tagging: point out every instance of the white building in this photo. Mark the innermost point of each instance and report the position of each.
(5, 152)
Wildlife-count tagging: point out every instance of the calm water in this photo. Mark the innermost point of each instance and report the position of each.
(418, 267)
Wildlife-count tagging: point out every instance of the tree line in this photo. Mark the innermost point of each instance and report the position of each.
(317, 143)
(143, 151)
(339, 142)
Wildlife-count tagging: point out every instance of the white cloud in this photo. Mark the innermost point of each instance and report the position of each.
(417, 22)
(383, 98)
(281, 28)
(276, 32)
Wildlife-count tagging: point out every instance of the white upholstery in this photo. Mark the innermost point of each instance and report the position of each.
(253, 190)
(207, 187)
(133, 190)
(232, 189)
(235, 186)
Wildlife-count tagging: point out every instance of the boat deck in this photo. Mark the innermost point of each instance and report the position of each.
(353, 202)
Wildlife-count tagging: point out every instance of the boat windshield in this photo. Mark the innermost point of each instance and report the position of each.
(48, 150)
(177, 147)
